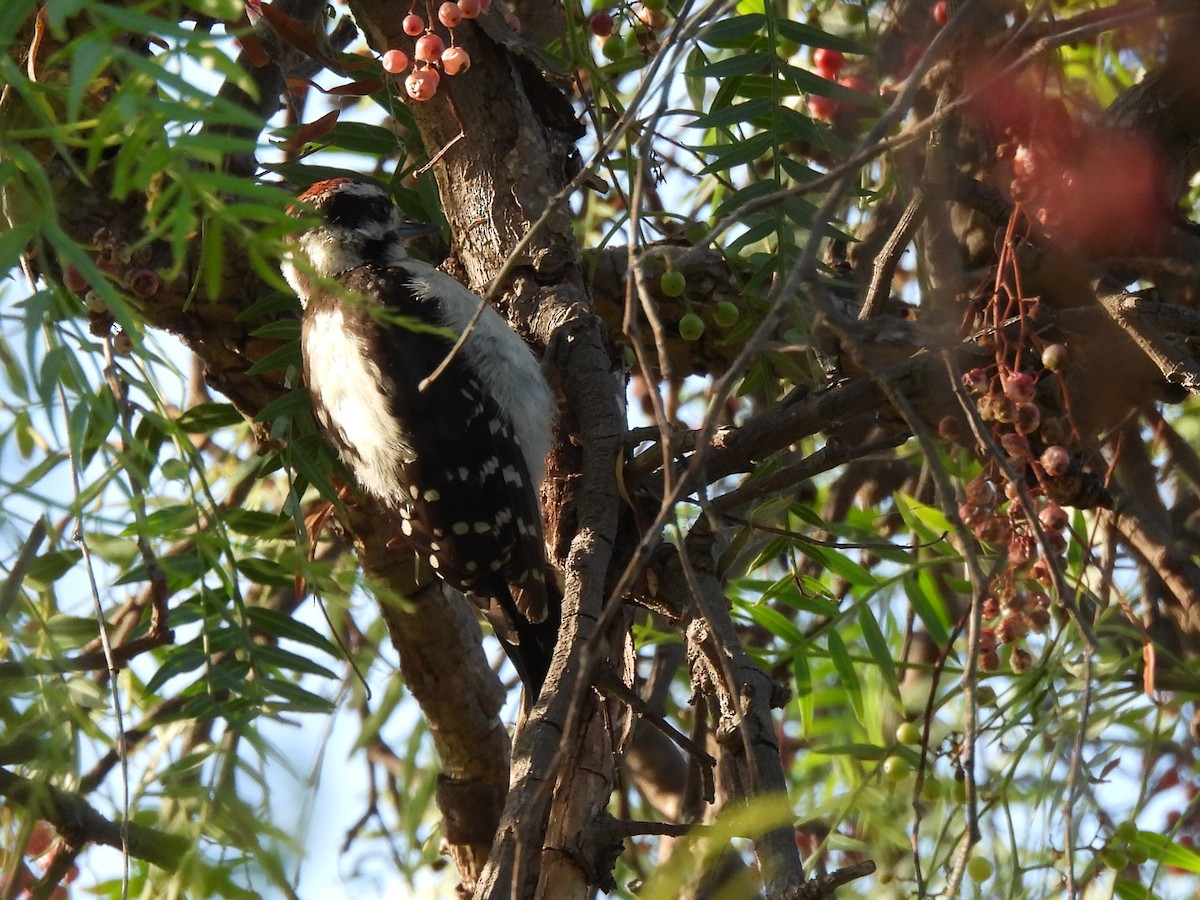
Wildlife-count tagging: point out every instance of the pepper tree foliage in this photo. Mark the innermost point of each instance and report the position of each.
(886, 565)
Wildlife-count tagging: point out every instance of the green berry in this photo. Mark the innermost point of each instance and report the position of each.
(691, 326)
(695, 232)
(896, 769)
(1114, 857)
(613, 47)
(1125, 832)
(979, 868)
(726, 314)
(908, 733)
(960, 791)
(931, 789)
(654, 5)
(673, 284)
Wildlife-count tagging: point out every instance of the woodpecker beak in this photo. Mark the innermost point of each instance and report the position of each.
(410, 229)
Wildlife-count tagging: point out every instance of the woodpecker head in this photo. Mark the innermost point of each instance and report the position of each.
(360, 225)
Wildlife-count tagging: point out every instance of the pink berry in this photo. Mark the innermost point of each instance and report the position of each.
(1056, 542)
(511, 20)
(1053, 516)
(1019, 386)
(979, 491)
(449, 14)
(828, 62)
(413, 24)
(975, 381)
(74, 281)
(1016, 446)
(422, 84)
(430, 48)
(469, 8)
(455, 60)
(972, 515)
(996, 530)
(1056, 459)
(941, 12)
(1021, 549)
(1029, 418)
(143, 283)
(395, 61)
(602, 24)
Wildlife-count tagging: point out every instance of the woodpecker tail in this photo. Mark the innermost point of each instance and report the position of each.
(528, 645)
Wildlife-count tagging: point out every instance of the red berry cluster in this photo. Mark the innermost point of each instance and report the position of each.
(39, 853)
(646, 20)
(828, 64)
(430, 54)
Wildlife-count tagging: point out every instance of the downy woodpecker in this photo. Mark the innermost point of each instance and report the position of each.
(461, 460)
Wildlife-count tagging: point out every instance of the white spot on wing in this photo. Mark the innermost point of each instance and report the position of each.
(501, 360)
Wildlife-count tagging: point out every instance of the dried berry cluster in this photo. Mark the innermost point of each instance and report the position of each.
(431, 57)
(1008, 619)
(127, 265)
(1037, 445)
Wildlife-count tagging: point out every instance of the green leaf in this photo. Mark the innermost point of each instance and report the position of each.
(286, 659)
(878, 647)
(266, 571)
(276, 624)
(296, 698)
(286, 406)
(727, 156)
(72, 629)
(733, 67)
(1167, 852)
(802, 678)
(929, 522)
(810, 36)
(13, 242)
(87, 60)
(871, 752)
(49, 567)
(839, 564)
(776, 623)
(205, 418)
(727, 32)
(12, 14)
(280, 329)
(1131, 890)
(847, 674)
(179, 661)
(732, 115)
(279, 359)
(254, 522)
(927, 603)
(169, 521)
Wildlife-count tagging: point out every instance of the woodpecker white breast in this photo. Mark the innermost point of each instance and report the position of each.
(461, 460)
